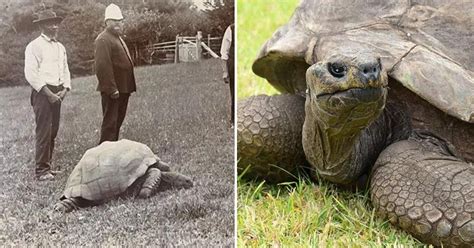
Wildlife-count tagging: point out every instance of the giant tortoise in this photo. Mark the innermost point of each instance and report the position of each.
(380, 92)
(117, 168)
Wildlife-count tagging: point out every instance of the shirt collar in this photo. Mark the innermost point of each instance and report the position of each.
(47, 38)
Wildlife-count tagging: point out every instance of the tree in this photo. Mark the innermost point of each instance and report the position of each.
(168, 6)
(221, 15)
(146, 21)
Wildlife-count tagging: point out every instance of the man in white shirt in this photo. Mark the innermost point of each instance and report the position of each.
(47, 71)
(227, 57)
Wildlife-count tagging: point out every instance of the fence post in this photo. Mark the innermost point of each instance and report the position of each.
(176, 50)
(209, 40)
(149, 52)
(198, 45)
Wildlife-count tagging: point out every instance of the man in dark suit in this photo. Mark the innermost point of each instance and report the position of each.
(114, 70)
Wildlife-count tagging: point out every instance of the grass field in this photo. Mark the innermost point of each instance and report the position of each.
(297, 214)
(179, 111)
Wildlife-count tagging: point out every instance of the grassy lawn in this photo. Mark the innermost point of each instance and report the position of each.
(297, 214)
(178, 111)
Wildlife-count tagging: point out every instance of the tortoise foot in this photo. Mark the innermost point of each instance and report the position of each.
(269, 142)
(67, 205)
(422, 188)
(152, 181)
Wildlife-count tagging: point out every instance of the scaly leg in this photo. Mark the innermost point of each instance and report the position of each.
(269, 142)
(161, 180)
(152, 181)
(422, 187)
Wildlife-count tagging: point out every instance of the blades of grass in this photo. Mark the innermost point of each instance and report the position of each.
(258, 190)
(287, 172)
(243, 173)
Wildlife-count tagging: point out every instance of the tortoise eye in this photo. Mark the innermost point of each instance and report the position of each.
(337, 70)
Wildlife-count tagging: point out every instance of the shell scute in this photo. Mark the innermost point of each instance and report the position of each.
(109, 169)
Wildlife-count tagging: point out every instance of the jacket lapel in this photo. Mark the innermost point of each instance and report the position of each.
(126, 49)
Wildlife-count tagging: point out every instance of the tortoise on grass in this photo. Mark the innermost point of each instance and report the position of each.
(375, 91)
(114, 169)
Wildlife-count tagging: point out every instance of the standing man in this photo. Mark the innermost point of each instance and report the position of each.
(114, 70)
(227, 57)
(47, 72)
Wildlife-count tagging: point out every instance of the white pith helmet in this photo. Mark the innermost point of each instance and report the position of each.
(113, 12)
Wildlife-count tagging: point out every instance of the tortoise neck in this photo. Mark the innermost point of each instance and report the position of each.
(342, 149)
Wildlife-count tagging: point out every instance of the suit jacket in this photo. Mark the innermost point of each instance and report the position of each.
(113, 65)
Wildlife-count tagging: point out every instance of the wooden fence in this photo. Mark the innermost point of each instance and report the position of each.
(182, 49)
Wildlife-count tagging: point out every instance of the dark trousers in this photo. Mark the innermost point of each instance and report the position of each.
(113, 111)
(47, 117)
(230, 69)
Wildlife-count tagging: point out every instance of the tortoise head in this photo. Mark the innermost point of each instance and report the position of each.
(346, 93)
(423, 47)
(176, 180)
(346, 89)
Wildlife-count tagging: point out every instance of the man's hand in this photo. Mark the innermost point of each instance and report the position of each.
(226, 77)
(115, 95)
(225, 72)
(53, 98)
(62, 94)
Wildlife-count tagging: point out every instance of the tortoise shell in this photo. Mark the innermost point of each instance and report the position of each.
(107, 170)
(425, 45)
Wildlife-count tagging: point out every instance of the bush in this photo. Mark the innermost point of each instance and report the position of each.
(78, 32)
(155, 21)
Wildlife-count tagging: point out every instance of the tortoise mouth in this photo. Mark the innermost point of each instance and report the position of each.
(361, 94)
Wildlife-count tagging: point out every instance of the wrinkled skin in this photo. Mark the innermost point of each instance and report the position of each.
(345, 95)
(406, 128)
(351, 131)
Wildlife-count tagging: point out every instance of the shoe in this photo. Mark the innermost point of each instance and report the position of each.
(45, 177)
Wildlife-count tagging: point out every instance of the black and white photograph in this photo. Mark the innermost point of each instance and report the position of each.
(117, 122)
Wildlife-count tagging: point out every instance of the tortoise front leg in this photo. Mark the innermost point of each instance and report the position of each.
(269, 142)
(153, 178)
(152, 181)
(67, 205)
(162, 180)
(420, 186)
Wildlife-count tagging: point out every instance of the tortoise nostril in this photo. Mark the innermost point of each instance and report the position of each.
(370, 71)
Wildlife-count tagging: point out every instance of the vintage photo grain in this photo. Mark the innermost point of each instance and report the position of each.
(116, 120)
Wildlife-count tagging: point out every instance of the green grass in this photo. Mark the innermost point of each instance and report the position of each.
(308, 215)
(256, 22)
(178, 111)
(300, 214)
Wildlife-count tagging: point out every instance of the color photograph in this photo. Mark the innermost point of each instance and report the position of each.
(355, 123)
